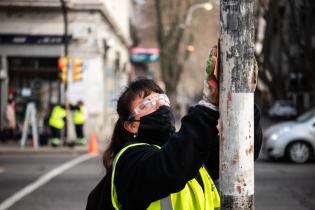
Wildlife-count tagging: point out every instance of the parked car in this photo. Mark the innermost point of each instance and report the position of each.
(282, 109)
(294, 140)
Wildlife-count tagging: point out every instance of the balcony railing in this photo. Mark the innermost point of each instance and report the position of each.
(30, 3)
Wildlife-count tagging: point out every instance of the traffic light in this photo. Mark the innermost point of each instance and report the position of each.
(63, 66)
(77, 70)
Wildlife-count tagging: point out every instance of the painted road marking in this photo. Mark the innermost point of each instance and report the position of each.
(43, 180)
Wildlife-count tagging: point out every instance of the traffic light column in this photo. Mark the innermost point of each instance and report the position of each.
(63, 67)
(63, 64)
(77, 70)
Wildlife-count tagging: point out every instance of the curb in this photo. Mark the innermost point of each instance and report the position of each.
(43, 150)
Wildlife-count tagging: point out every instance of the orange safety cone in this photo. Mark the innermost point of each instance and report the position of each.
(93, 146)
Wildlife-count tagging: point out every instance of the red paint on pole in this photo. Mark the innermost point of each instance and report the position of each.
(249, 150)
(239, 189)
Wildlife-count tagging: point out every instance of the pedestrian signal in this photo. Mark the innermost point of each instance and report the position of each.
(77, 70)
(63, 66)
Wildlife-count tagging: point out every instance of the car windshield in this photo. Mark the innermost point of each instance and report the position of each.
(283, 103)
(306, 116)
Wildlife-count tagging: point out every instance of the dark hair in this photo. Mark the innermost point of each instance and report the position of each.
(121, 136)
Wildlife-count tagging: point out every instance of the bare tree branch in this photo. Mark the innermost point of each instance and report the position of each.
(160, 26)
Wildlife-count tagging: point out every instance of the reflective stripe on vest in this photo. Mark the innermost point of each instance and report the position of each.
(166, 203)
(78, 116)
(56, 117)
(191, 197)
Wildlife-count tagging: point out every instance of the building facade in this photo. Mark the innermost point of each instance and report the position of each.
(32, 39)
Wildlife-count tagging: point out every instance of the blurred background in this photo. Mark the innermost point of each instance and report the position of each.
(81, 54)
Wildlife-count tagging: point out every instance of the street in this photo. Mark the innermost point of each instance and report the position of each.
(67, 191)
(283, 185)
(278, 185)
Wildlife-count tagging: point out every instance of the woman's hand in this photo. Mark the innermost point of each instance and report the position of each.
(211, 85)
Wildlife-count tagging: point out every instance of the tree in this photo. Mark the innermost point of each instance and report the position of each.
(171, 38)
(288, 46)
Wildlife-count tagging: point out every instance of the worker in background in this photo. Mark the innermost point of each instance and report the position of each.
(57, 123)
(10, 120)
(78, 120)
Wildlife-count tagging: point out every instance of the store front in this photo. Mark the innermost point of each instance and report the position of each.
(33, 79)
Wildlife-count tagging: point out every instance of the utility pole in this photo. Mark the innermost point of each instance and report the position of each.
(236, 104)
(66, 52)
(65, 20)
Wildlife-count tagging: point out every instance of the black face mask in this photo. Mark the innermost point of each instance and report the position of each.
(157, 127)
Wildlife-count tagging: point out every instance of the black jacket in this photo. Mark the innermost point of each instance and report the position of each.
(145, 174)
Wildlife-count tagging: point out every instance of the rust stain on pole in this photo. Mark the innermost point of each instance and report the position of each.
(229, 100)
(221, 132)
(249, 150)
(236, 158)
(239, 189)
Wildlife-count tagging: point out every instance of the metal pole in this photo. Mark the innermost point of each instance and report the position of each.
(65, 19)
(66, 52)
(191, 10)
(236, 104)
(4, 81)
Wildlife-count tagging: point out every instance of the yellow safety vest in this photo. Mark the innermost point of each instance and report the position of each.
(78, 116)
(56, 118)
(191, 197)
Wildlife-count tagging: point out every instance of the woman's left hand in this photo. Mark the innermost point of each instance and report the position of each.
(211, 86)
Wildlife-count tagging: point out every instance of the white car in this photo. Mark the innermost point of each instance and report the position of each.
(282, 110)
(294, 140)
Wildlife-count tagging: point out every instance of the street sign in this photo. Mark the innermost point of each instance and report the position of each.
(30, 120)
(144, 55)
(32, 39)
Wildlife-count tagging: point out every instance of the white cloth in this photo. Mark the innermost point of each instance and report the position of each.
(209, 105)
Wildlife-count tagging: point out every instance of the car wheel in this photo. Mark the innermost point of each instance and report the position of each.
(298, 152)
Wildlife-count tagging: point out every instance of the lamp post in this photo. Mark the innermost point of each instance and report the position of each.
(3, 90)
(190, 48)
(205, 5)
(66, 52)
